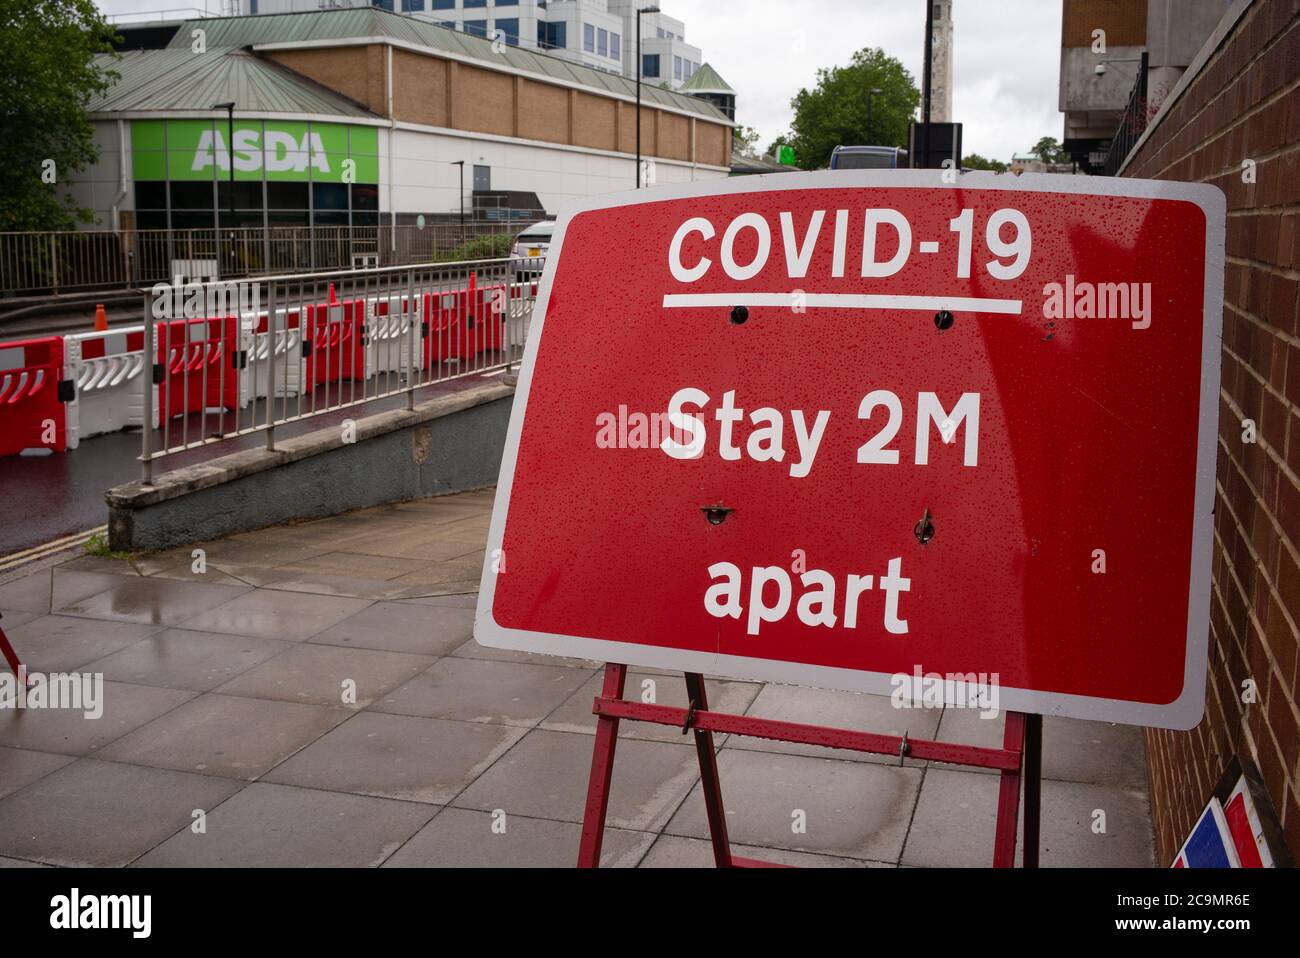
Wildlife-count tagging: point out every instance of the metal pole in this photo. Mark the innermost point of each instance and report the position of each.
(230, 157)
(638, 99)
(925, 97)
(146, 380)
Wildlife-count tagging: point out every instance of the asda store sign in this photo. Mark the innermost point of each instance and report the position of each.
(272, 150)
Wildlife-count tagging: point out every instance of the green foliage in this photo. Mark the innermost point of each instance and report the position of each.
(744, 141)
(490, 246)
(1049, 150)
(976, 162)
(49, 75)
(97, 545)
(834, 112)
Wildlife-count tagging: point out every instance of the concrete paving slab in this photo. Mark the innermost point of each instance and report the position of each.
(70, 586)
(575, 714)
(184, 572)
(402, 627)
(268, 825)
(358, 565)
(226, 735)
(429, 590)
(182, 659)
(12, 618)
(545, 776)
(102, 813)
(270, 614)
(62, 643)
(69, 732)
(29, 593)
(316, 674)
(416, 541)
(1073, 750)
(150, 601)
(463, 600)
(19, 767)
(850, 809)
(460, 838)
(955, 819)
(866, 713)
(673, 851)
(320, 583)
(472, 650)
(398, 756)
(19, 863)
(471, 690)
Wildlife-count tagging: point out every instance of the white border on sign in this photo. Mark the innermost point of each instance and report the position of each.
(1183, 713)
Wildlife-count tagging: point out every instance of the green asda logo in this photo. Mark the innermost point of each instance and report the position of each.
(286, 151)
(281, 154)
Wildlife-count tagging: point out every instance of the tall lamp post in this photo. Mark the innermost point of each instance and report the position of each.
(639, 12)
(870, 126)
(461, 164)
(230, 161)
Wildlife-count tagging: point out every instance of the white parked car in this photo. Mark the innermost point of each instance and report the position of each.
(530, 250)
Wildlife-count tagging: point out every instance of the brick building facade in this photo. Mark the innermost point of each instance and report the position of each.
(1234, 121)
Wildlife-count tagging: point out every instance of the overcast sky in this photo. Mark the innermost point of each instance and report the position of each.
(1005, 69)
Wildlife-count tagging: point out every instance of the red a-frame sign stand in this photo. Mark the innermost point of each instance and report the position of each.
(1020, 756)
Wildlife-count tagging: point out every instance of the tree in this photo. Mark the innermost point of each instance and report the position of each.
(1049, 150)
(48, 49)
(834, 112)
(976, 162)
(744, 141)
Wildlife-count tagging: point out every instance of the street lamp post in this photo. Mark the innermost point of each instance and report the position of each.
(870, 126)
(230, 161)
(461, 164)
(639, 12)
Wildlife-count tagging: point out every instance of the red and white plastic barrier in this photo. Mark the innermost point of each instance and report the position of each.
(107, 368)
(34, 396)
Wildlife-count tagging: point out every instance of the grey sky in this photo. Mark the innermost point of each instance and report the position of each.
(1005, 69)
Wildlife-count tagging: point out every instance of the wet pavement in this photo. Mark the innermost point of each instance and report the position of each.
(314, 697)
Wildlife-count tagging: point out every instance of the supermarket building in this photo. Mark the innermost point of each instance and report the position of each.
(361, 117)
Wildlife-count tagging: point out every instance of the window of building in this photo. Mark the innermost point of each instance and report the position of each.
(677, 68)
(383, 4)
(476, 28)
(602, 42)
(509, 29)
(509, 3)
(474, 3)
(650, 65)
(412, 6)
(442, 4)
(614, 50)
(552, 36)
(588, 38)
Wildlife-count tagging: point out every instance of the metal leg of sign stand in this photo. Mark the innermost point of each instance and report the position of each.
(1019, 758)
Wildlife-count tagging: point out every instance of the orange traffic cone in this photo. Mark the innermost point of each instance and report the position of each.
(333, 299)
(101, 319)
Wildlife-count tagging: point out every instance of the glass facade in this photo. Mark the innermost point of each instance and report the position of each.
(650, 65)
(290, 173)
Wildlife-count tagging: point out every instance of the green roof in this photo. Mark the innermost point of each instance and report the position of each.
(371, 23)
(173, 80)
(706, 80)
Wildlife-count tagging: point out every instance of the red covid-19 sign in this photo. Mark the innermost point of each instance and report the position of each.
(869, 430)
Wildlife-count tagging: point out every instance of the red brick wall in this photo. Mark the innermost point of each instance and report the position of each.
(1244, 105)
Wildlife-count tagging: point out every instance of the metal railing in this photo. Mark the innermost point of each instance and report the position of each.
(85, 260)
(1132, 123)
(250, 356)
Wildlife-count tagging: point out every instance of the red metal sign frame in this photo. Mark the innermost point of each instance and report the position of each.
(1019, 759)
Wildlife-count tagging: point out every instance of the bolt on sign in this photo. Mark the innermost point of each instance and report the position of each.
(836, 428)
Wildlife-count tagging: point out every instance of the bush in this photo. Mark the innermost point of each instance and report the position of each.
(491, 246)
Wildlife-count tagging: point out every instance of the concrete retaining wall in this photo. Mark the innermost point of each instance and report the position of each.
(448, 444)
